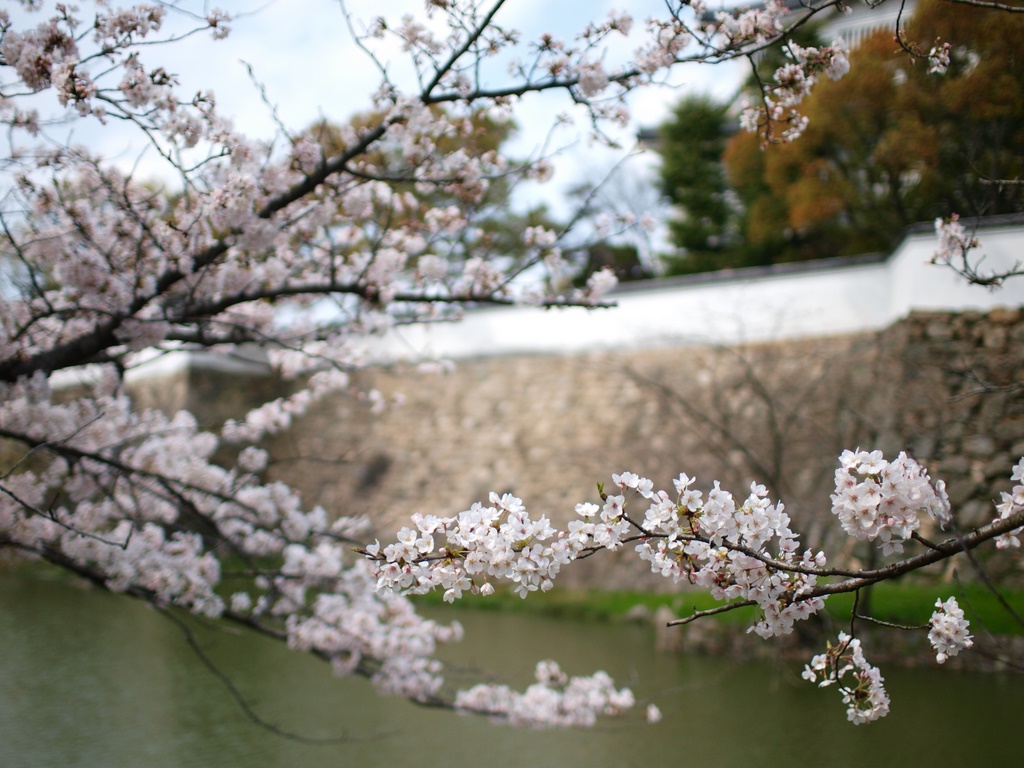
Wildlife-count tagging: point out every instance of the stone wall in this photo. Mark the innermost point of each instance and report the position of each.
(945, 387)
(960, 400)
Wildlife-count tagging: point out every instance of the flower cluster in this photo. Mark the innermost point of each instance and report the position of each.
(751, 26)
(792, 83)
(879, 499)
(938, 58)
(1011, 504)
(133, 484)
(37, 55)
(555, 700)
(484, 543)
(668, 38)
(954, 242)
(741, 552)
(865, 697)
(55, 54)
(948, 630)
(110, 273)
(954, 251)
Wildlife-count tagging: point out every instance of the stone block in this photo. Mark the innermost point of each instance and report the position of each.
(979, 446)
(953, 466)
(1005, 315)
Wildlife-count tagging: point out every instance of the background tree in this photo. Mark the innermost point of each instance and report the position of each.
(712, 211)
(894, 143)
(693, 179)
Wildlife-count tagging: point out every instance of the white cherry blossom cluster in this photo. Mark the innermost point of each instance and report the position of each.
(738, 552)
(1010, 505)
(954, 241)
(554, 700)
(132, 499)
(956, 244)
(743, 554)
(751, 26)
(40, 55)
(863, 692)
(938, 58)
(58, 54)
(948, 630)
(792, 83)
(105, 268)
(352, 626)
(485, 543)
(598, 286)
(884, 500)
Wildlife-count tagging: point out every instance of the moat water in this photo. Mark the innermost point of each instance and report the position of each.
(99, 681)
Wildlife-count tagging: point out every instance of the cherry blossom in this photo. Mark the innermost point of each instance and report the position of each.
(104, 272)
(948, 630)
(877, 499)
(1010, 506)
(792, 82)
(957, 250)
(744, 554)
(953, 240)
(554, 700)
(860, 684)
(938, 58)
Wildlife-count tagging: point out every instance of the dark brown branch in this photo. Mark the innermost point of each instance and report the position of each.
(942, 551)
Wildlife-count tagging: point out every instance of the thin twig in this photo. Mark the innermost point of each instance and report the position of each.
(709, 612)
(892, 624)
(233, 690)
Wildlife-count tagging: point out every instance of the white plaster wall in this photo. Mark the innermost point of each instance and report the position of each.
(918, 284)
(816, 299)
(811, 299)
(860, 21)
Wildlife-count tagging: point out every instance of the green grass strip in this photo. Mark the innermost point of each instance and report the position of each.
(904, 603)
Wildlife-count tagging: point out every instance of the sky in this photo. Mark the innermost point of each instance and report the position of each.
(302, 52)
